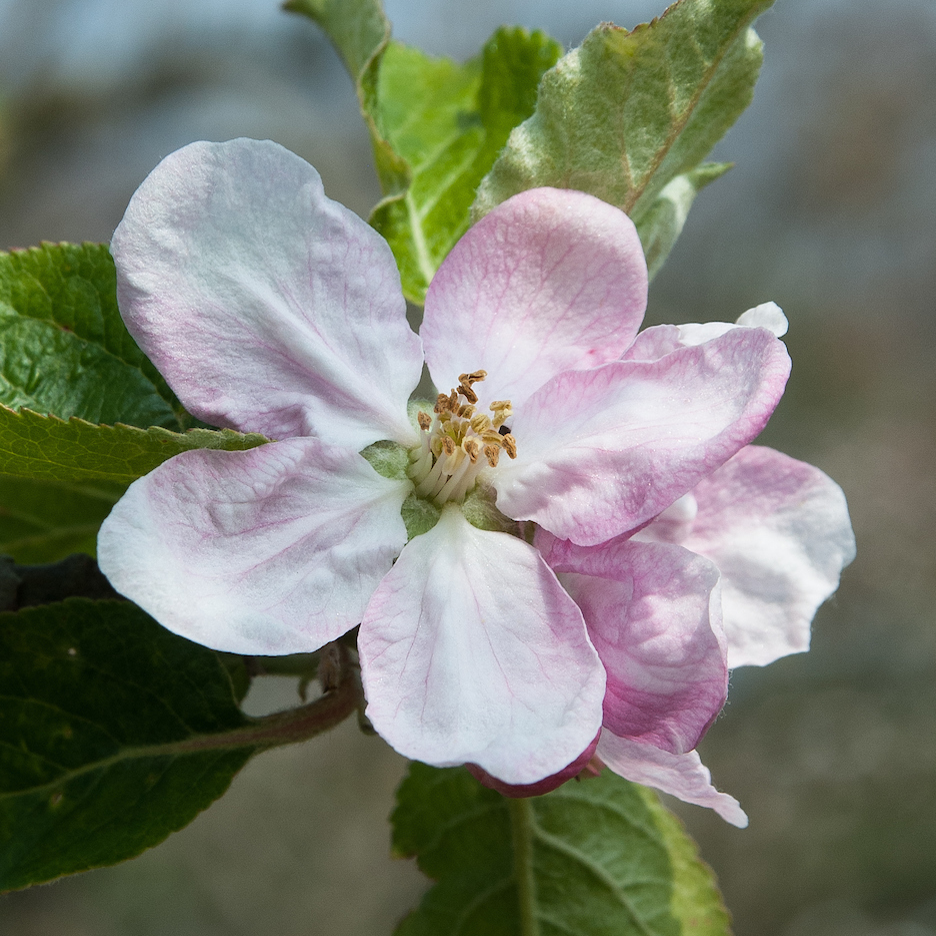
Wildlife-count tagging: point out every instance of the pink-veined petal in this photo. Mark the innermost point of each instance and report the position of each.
(268, 551)
(654, 615)
(267, 306)
(652, 343)
(779, 532)
(681, 775)
(550, 280)
(471, 651)
(602, 451)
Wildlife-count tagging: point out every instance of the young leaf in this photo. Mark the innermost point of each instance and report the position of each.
(627, 112)
(65, 348)
(44, 521)
(49, 448)
(360, 32)
(449, 122)
(115, 733)
(436, 126)
(597, 857)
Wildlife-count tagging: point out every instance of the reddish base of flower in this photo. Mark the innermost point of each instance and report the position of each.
(581, 763)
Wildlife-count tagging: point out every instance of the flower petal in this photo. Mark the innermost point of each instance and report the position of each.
(654, 615)
(267, 306)
(550, 280)
(681, 775)
(472, 652)
(652, 343)
(269, 551)
(779, 532)
(602, 451)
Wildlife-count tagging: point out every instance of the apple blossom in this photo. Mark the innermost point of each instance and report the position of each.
(270, 308)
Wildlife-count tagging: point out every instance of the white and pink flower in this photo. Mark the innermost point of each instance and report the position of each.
(562, 442)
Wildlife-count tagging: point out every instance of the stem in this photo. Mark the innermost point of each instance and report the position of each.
(521, 823)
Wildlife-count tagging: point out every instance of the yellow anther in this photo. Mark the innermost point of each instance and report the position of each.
(425, 421)
(480, 422)
(492, 437)
(510, 444)
(466, 411)
(492, 454)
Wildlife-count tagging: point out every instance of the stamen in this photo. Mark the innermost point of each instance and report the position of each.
(446, 464)
(480, 422)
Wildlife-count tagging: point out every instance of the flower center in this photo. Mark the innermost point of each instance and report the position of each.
(459, 441)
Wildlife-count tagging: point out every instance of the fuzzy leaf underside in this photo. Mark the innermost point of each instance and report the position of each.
(600, 857)
(626, 113)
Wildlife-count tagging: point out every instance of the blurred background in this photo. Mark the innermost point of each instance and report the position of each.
(831, 212)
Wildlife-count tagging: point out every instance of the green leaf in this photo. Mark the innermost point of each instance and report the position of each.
(663, 222)
(624, 114)
(597, 857)
(436, 126)
(449, 122)
(64, 347)
(49, 448)
(44, 521)
(115, 733)
(360, 32)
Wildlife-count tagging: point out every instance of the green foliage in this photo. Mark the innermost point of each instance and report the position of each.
(449, 122)
(112, 735)
(65, 349)
(596, 857)
(51, 449)
(44, 521)
(624, 114)
(436, 126)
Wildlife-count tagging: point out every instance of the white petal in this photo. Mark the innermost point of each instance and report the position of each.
(267, 306)
(550, 280)
(270, 551)
(779, 532)
(472, 652)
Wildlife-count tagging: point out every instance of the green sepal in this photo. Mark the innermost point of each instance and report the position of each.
(388, 459)
(480, 510)
(419, 515)
(599, 856)
(52, 449)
